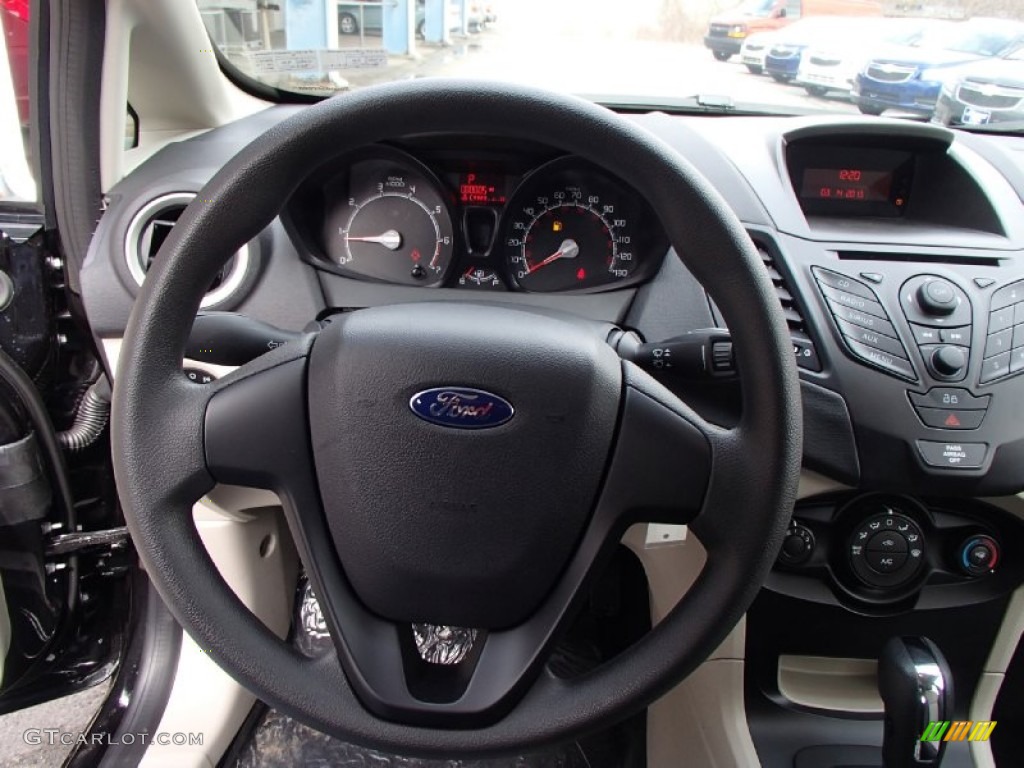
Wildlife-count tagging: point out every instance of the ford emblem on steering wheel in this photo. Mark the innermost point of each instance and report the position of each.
(461, 407)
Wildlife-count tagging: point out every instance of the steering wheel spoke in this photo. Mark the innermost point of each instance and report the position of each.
(255, 427)
(662, 461)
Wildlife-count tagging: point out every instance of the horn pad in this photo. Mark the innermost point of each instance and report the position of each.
(459, 451)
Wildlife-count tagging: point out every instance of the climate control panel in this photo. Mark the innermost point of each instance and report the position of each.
(887, 553)
(887, 549)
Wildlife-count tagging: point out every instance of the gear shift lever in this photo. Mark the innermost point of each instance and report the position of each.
(916, 686)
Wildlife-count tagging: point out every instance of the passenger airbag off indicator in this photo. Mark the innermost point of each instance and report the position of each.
(952, 455)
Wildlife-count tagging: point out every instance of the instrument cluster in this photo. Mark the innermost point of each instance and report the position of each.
(487, 221)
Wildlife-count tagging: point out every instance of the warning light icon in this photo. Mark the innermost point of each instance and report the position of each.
(952, 421)
(581, 274)
(556, 226)
(415, 255)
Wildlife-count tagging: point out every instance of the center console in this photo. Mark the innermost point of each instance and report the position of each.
(905, 271)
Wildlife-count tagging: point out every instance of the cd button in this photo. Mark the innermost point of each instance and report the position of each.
(844, 283)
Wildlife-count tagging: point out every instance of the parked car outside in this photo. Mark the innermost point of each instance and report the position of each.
(833, 65)
(727, 31)
(911, 78)
(365, 15)
(782, 61)
(755, 49)
(485, 13)
(988, 92)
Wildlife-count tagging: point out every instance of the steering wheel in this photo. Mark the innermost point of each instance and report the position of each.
(353, 428)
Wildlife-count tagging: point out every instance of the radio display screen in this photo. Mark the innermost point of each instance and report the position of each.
(847, 184)
(833, 181)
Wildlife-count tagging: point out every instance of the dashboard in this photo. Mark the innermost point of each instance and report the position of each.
(896, 250)
(428, 215)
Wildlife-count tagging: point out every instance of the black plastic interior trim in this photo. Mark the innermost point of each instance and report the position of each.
(924, 258)
(39, 106)
(75, 75)
(1008, 737)
(147, 677)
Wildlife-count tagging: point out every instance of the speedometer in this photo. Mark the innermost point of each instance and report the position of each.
(569, 227)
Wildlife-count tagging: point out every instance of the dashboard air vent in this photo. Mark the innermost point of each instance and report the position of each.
(789, 307)
(149, 229)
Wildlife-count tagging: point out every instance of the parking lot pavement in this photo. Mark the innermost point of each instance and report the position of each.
(71, 714)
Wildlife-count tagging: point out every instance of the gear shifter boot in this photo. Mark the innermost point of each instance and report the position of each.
(916, 686)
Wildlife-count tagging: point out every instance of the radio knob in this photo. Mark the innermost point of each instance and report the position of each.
(948, 361)
(937, 297)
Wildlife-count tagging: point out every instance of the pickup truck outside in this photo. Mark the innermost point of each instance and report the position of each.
(727, 31)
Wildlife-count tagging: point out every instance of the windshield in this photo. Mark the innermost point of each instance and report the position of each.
(761, 8)
(980, 37)
(668, 54)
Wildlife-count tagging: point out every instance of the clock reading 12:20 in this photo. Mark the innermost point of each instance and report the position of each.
(848, 184)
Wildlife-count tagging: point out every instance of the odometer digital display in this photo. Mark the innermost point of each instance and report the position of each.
(481, 189)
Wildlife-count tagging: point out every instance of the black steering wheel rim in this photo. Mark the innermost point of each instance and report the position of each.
(158, 416)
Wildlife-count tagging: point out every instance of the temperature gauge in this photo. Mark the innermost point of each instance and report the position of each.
(478, 278)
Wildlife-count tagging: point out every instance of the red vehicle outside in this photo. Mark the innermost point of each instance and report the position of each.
(14, 17)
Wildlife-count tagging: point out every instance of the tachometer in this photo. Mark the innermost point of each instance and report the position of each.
(393, 225)
(567, 227)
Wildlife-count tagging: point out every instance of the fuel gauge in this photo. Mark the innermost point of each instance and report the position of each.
(479, 278)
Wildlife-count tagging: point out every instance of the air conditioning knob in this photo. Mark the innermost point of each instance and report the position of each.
(937, 297)
(979, 555)
(947, 361)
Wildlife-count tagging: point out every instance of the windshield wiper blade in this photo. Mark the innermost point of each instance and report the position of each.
(697, 103)
(715, 101)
